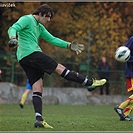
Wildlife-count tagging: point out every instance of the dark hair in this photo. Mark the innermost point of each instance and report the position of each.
(43, 9)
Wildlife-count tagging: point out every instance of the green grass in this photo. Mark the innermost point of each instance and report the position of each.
(63, 118)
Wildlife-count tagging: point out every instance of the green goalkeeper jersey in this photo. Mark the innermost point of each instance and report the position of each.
(28, 31)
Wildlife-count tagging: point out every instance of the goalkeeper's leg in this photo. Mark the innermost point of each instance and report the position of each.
(37, 103)
(76, 77)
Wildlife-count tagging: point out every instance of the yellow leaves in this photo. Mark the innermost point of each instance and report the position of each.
(96, 25)
(15, 15)
(80, 32)
(106, 21)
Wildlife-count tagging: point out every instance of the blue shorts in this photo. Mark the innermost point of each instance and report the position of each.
(28, 86)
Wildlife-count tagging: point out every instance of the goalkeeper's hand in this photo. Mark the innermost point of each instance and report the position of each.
(78, 48)
(13, 43)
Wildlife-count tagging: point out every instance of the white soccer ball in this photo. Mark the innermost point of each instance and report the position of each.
(122, 54)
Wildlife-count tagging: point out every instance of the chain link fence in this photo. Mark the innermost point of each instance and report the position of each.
(12, 72)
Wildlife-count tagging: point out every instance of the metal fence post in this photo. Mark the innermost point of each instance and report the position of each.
(51, 80)
(123, 84)
(12, 75)
(89, 45)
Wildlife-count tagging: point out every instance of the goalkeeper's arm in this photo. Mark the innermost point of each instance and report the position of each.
(13, 42)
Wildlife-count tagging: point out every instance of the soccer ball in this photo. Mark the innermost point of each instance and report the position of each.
(122, 54)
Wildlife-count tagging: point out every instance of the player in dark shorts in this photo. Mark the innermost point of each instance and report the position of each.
(35, 63)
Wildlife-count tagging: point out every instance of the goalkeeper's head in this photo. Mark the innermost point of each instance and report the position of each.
(44, 10)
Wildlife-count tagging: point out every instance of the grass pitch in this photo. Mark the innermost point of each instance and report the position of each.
(63, 118)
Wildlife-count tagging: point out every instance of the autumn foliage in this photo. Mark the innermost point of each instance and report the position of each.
(100, 26)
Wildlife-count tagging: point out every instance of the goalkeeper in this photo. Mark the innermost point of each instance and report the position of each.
(35, 63)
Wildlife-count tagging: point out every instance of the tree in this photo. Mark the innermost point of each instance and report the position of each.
(110, 25)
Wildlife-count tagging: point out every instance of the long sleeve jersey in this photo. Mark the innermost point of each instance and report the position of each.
(28, 31)
(129, 63)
